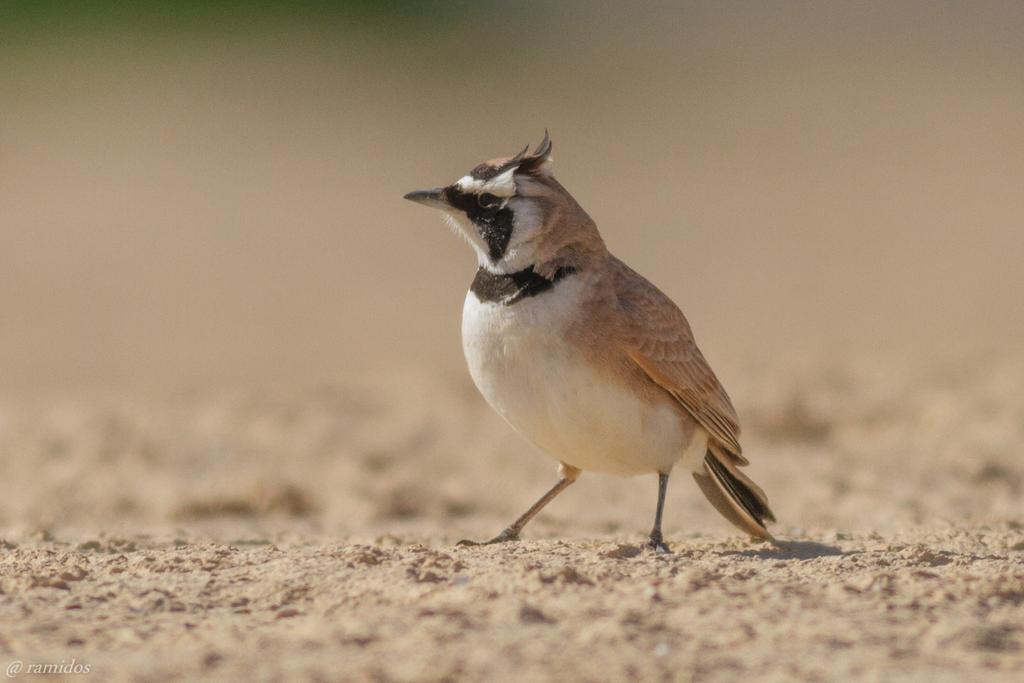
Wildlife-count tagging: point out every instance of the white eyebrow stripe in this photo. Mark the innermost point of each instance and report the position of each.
(503, 185)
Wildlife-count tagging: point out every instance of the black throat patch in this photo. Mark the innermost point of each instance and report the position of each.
(509, 288)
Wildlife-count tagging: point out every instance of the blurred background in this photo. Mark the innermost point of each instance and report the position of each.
(201, 196)
(197, 190)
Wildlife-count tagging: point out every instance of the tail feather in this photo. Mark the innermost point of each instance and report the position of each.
(760, 499)
(734, 495)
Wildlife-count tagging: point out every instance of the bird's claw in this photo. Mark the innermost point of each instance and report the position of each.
(659, 546)
(506, 536)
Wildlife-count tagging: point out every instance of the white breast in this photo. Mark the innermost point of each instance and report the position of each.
(520, 362)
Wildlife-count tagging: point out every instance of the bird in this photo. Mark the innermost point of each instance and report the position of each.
(580, 354)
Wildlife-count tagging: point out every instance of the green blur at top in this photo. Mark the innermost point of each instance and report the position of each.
(38, 19)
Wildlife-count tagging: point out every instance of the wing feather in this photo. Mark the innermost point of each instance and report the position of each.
(661, 343)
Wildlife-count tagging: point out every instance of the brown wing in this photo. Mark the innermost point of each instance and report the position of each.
(660, 342)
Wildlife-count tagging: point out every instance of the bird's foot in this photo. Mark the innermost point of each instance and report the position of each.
(658, 545)
(506, 536)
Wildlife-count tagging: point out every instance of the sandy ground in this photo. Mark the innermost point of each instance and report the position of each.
(309, 534)
(937, 606)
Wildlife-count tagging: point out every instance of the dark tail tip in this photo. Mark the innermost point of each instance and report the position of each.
(739, 501)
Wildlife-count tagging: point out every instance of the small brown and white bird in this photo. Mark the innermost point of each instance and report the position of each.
(579, 353)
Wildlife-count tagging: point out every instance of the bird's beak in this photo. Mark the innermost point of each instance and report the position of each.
(434, 198)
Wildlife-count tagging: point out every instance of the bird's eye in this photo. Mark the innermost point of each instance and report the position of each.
(487, 200)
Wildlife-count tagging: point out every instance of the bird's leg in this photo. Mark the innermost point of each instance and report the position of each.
(656, 542)
(567, 475)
